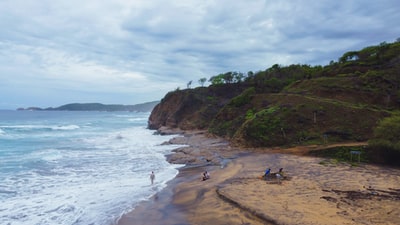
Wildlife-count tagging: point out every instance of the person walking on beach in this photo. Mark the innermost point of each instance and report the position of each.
(152, 177)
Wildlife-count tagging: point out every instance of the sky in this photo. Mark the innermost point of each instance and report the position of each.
(55, 52)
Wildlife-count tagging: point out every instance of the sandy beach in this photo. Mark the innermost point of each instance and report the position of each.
(312, 191)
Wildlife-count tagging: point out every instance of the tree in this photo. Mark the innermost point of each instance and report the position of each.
(386, 141)
(202, 81)
(188, 84)
(228, 77)
(250, 76)
(218, 79)
(349, 56)
(238, 77)
(388, 132)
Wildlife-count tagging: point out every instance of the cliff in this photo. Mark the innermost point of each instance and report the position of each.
(293, 105)
(192, 108)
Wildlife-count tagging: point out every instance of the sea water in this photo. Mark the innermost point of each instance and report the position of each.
(64, 167)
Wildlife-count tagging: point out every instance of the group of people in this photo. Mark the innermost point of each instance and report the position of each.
(268, 174)
(206, 175)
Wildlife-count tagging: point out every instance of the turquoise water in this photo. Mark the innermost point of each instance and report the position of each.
(60, 167)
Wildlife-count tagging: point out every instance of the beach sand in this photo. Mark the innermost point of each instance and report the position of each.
(314, 191)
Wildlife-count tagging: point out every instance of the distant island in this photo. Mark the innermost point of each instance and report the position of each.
(143, 107)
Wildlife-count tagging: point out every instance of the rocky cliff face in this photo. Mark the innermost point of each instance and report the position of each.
(173, 110)
(251, 119)
(192, 108)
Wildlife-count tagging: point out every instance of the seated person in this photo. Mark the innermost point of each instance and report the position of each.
(206, 175)
(267, 172)
(279, 175)
(280, 172)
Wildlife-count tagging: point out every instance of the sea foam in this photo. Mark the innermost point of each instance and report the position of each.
(78, 167)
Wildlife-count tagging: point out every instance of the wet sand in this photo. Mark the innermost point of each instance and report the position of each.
(314, 191)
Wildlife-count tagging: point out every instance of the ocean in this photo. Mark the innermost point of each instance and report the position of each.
(66, 167)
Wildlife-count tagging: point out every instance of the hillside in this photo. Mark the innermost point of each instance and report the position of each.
(293, 105)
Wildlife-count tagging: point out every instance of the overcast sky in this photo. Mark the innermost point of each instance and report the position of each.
(54, 52)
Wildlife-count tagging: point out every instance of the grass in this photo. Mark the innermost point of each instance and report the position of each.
(342, 154)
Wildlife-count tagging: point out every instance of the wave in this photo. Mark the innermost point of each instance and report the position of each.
(47, 155)
(66, 127)
(37, 127)
(79, 168)
(137, 119)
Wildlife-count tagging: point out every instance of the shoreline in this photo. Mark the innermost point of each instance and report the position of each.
(196, 156)
(317, 191)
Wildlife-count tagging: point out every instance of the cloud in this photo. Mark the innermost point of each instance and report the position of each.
(132, 51)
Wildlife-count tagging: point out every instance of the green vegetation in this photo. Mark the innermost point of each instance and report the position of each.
(385, 145)
(354, 99)
(243, 98)
(202, 81)
(227, 78)
(343, 154)
(265, 128)
(387, 133)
